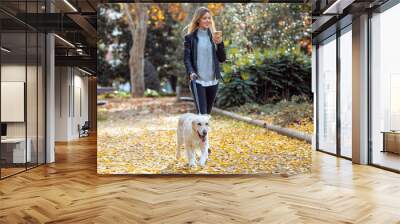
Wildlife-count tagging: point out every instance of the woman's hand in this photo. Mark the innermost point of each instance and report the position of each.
(193, 76)
(217, 39)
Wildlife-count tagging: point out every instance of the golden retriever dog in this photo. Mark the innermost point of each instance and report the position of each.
(193, 132)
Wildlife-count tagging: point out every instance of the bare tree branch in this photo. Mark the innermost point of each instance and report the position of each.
(131, 22)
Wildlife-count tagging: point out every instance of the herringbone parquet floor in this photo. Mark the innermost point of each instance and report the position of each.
(70, 191)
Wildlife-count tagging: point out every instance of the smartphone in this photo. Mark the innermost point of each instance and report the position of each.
(218, 33)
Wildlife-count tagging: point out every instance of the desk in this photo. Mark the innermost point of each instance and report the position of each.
(18, 151)
(391, 141)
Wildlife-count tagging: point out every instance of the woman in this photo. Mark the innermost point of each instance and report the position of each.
(204, 50)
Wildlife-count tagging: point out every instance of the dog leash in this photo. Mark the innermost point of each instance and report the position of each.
(195, 95)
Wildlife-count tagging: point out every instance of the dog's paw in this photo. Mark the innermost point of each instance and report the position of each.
(192, 164)
(202, 163)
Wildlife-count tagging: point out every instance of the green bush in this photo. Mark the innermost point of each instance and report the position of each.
(151, 93)
(236, 92)
(108, 95)
(277, 75)
(154, 93)
(281, 78)
(122, 94)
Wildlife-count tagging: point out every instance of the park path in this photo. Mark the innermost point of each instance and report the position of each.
(138, 136)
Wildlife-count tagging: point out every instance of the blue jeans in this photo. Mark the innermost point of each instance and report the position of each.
(205, 97)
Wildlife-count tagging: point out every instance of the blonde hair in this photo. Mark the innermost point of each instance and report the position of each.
(194, 24)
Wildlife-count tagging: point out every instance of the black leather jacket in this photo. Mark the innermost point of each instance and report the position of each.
(190, 53)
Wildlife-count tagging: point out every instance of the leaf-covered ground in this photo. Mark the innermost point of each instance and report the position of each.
(302, 121)
(138, 136)
(304, 125)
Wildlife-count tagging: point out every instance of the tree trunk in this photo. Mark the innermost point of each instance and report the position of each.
(184, 87)
(138, 27)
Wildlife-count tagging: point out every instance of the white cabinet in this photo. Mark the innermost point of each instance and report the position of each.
(18, 149)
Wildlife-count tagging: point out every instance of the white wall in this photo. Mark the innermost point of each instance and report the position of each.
(80, 110)
(61, 115)
(71, 102)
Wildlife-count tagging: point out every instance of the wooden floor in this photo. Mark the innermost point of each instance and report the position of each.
(387, 159)
(5, 172)
(70, 191)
